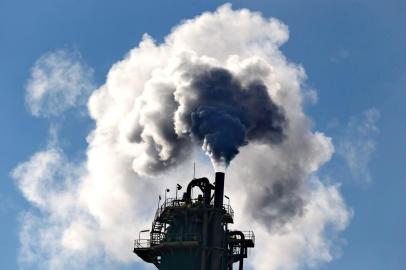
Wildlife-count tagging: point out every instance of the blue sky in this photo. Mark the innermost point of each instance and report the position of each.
(353, 54)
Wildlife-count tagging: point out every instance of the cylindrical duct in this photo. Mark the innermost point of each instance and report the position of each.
(219, 190)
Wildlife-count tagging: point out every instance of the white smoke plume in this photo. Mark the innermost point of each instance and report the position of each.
(357, 144)
(59, 81)
(90, 212)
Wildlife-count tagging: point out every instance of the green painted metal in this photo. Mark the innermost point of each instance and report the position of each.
(192, 234)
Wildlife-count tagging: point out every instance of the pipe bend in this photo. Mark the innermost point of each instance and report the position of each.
(204, 185)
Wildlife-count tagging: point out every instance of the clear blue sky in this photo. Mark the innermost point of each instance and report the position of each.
(353, 52)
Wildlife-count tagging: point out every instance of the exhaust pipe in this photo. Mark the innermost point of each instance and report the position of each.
(219, 190)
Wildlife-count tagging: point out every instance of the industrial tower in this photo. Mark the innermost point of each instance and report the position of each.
(193, 234)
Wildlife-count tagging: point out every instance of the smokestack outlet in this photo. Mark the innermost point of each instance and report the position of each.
(219, 190)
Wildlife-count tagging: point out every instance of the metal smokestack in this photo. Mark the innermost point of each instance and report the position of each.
(219, 190)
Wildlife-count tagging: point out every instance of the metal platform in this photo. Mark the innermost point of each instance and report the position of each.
(172, 206)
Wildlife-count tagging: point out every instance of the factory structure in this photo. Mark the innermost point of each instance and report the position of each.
(192, 233)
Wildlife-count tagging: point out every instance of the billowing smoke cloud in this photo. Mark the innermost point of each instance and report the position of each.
(208, 106)
(225, 115)
(59, 81)
(218, 81)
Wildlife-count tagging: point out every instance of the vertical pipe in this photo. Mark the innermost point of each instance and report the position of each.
(241, 266)
(204, 240)
(219, 190)
(217, 236)
(207, 196)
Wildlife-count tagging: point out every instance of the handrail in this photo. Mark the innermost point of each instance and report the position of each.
(173, 202)
(147, 243)
(229, 210)
(248, 235)
(142, 243)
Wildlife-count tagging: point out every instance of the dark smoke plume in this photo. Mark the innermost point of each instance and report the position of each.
(209, 107)
(279, 202)
(224, 115)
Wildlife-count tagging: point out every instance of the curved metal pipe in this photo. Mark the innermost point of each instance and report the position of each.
(204, 185)
(241, 234)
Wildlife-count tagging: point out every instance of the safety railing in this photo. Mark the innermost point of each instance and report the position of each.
(180, 237)
(142, 243)
(147, 243)
(170, 202)
(177, 203)
(229, 210)
(249, 235)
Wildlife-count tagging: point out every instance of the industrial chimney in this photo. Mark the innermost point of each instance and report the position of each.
(219, 190)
